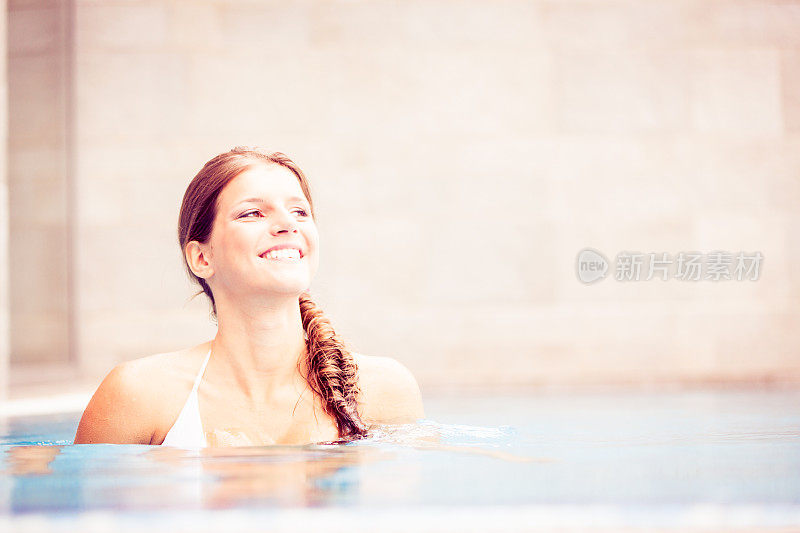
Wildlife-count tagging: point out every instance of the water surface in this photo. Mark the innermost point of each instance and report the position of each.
(633, 459)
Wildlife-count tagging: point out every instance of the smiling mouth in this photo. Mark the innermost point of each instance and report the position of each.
(284, 254)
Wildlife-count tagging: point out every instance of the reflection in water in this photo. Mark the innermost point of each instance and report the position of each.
(329, 472)
(34, 483)
(30, 460)
(385, 466)
(283, 475)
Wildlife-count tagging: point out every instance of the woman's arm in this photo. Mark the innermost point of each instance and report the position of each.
(389, 392)
(119, 412)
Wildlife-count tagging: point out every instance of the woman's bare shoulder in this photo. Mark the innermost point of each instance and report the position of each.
(149, 374)
(157, 365)
(165, 367)
(128, 405)
(389, 392)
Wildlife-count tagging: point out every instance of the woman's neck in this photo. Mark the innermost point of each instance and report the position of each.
(261, 350)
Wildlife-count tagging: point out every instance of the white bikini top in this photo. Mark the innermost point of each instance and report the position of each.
(187, 431)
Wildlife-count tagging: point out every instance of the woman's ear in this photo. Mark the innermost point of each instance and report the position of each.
(198, 258)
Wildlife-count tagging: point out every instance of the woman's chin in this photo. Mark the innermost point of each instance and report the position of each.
(287, 286)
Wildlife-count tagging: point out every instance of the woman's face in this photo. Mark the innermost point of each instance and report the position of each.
(259, 209)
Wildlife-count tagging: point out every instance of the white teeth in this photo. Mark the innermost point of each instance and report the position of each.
(283, 253)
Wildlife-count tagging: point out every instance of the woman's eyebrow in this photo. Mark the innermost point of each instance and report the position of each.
(262, 201)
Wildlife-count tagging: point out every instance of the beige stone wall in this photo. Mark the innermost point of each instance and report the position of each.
(461, 155)
(5, 304)
(39, 257)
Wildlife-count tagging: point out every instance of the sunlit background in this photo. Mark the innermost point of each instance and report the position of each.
(461, 155)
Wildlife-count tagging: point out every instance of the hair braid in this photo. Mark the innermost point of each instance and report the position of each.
(333, 374)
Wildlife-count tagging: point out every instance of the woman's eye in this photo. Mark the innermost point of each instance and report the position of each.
(301, 212)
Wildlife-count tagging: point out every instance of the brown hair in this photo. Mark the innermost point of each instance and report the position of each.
(333, 374)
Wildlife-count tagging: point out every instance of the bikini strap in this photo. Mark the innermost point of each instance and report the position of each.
(202, 371)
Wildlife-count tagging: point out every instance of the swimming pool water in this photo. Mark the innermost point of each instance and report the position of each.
(674, 460)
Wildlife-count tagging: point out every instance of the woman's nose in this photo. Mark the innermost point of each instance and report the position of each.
(284, 222)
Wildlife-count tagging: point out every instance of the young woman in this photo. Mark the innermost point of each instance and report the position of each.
(275, 373)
